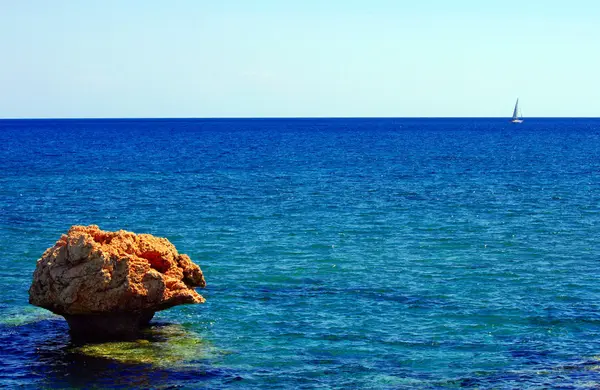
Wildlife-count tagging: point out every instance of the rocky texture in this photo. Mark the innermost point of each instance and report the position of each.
(110, 284)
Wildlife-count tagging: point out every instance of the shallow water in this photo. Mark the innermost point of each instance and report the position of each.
(373, 253)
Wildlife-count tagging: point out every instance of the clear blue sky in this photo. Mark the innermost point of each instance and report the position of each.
(265, 58)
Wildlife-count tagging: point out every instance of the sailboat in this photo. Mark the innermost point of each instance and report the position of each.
(516, 114)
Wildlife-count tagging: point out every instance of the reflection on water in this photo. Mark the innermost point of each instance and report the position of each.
(167, 355)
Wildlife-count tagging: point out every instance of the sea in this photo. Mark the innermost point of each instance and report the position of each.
(339, 253)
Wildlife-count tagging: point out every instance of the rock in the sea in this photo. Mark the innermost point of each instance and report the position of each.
(110, 284)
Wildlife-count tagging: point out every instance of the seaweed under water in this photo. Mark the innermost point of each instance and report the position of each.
(164, 355)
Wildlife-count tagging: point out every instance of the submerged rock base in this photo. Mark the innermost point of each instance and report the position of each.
(102, 327)
(110, 284)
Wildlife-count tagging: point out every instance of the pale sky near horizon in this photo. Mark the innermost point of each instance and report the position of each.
(267, 58)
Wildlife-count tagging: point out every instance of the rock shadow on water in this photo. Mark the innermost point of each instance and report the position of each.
(165, 355)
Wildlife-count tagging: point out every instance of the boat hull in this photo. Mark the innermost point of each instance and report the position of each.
(516, 121)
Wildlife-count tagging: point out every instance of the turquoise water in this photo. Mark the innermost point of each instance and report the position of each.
(338, 253)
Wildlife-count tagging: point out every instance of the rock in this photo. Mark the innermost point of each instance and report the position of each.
(108, 285)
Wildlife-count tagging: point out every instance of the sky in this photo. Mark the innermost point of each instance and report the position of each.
(310, 58)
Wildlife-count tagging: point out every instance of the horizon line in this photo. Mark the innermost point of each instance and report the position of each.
(290, 117)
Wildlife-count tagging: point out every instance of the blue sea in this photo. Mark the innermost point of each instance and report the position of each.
(338, 253)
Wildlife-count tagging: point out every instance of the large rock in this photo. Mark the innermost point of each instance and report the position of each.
(110, 284)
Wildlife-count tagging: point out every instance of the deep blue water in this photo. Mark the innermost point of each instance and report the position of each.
(339, 253)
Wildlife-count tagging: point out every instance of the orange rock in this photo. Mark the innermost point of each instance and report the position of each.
(112, 282)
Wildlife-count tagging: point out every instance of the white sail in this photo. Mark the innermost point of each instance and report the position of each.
(516, 113)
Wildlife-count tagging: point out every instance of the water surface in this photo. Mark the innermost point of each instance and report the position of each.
(339, 253)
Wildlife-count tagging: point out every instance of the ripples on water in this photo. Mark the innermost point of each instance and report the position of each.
(379, 253)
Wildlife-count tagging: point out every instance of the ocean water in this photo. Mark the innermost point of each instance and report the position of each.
(339, 253)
